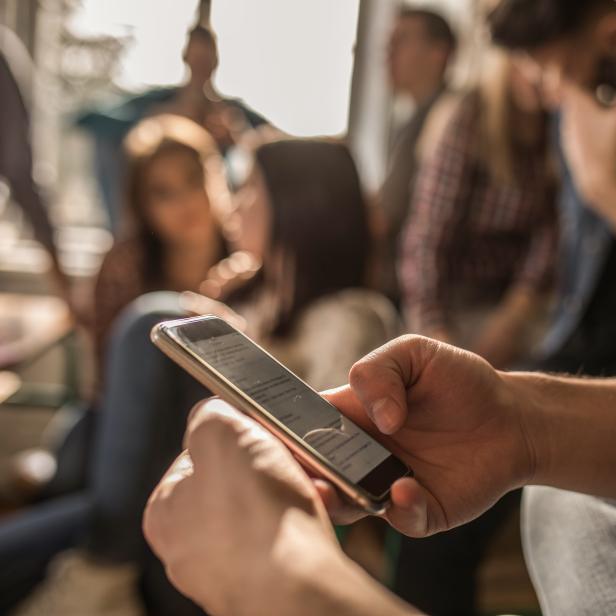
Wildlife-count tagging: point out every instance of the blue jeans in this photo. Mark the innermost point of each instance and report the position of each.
(139, 430)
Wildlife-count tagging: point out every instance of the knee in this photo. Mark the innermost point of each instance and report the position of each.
(135, 322)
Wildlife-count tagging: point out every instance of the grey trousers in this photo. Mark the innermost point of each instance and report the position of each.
(569, 543)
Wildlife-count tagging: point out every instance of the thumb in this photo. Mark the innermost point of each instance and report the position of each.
(380, 381)
(414, 511)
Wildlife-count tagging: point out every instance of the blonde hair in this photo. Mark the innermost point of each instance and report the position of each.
(149, 135)
(496, 119)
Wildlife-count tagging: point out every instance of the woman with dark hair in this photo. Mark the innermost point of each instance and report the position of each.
(301, 213)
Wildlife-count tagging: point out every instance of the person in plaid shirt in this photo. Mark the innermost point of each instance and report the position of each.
(478, 251)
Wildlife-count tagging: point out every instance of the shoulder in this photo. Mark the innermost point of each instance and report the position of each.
(252, 117)
(441, 114)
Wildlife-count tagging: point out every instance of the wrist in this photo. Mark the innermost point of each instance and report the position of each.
(529, 455)
(310, 575)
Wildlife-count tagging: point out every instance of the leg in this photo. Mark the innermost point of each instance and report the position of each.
(29, 541)
(569, 543)
(439, 574)
(143, 413)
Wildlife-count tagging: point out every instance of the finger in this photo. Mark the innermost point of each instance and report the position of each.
(380, 380)
(155, 516)
(347, 402)
(214, 425)
(340, 511)
(413, 510)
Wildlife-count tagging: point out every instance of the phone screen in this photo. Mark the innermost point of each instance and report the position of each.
(345, 446)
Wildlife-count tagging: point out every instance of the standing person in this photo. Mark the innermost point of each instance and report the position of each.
(478, 251)
(421, 47)
(570, 539)
(197, 99)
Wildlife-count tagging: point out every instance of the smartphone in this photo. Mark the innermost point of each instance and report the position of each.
(238, 370)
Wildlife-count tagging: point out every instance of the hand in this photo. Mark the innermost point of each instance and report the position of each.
(502, 338)
(230, 274)
(196, 304)
(589, 142)
(447, 414)
(229, 514)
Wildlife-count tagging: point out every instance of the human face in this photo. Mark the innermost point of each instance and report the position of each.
(251, 219)
(412, 58)
(177, 204)
(201, 58)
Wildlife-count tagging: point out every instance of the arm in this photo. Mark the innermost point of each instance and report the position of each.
(16, 160)
(571, 423)
(471, 433)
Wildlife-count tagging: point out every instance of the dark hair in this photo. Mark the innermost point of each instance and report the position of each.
(203, 33)
(319, 218)
(528, 24)
(150, 139)
(437, 27)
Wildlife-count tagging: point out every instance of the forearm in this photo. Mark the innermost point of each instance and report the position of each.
(312, 576)
(570, 431)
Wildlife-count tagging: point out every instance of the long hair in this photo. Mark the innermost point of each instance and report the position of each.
(151, 138)
(497, 122)
(319, 219)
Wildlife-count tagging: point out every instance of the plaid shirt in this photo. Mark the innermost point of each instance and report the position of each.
(469, 232)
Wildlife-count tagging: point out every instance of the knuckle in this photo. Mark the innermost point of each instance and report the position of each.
(360, 373)
(154, 523)
(210, 428)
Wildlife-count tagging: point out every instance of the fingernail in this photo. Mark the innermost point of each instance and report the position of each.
(384, 415)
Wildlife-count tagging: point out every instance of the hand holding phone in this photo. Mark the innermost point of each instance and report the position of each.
(232, 366)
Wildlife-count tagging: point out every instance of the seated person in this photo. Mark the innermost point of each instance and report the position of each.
(301, 210)
(478, 254)
(477, 260)
(174, 183)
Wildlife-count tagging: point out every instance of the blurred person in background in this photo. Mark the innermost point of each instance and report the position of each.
(175, 183)
(478, 253)
(421, 47)
(16, 161)
(301, 212)
(477, 262)
(570, 539)
(582, 336)
(197, 99)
